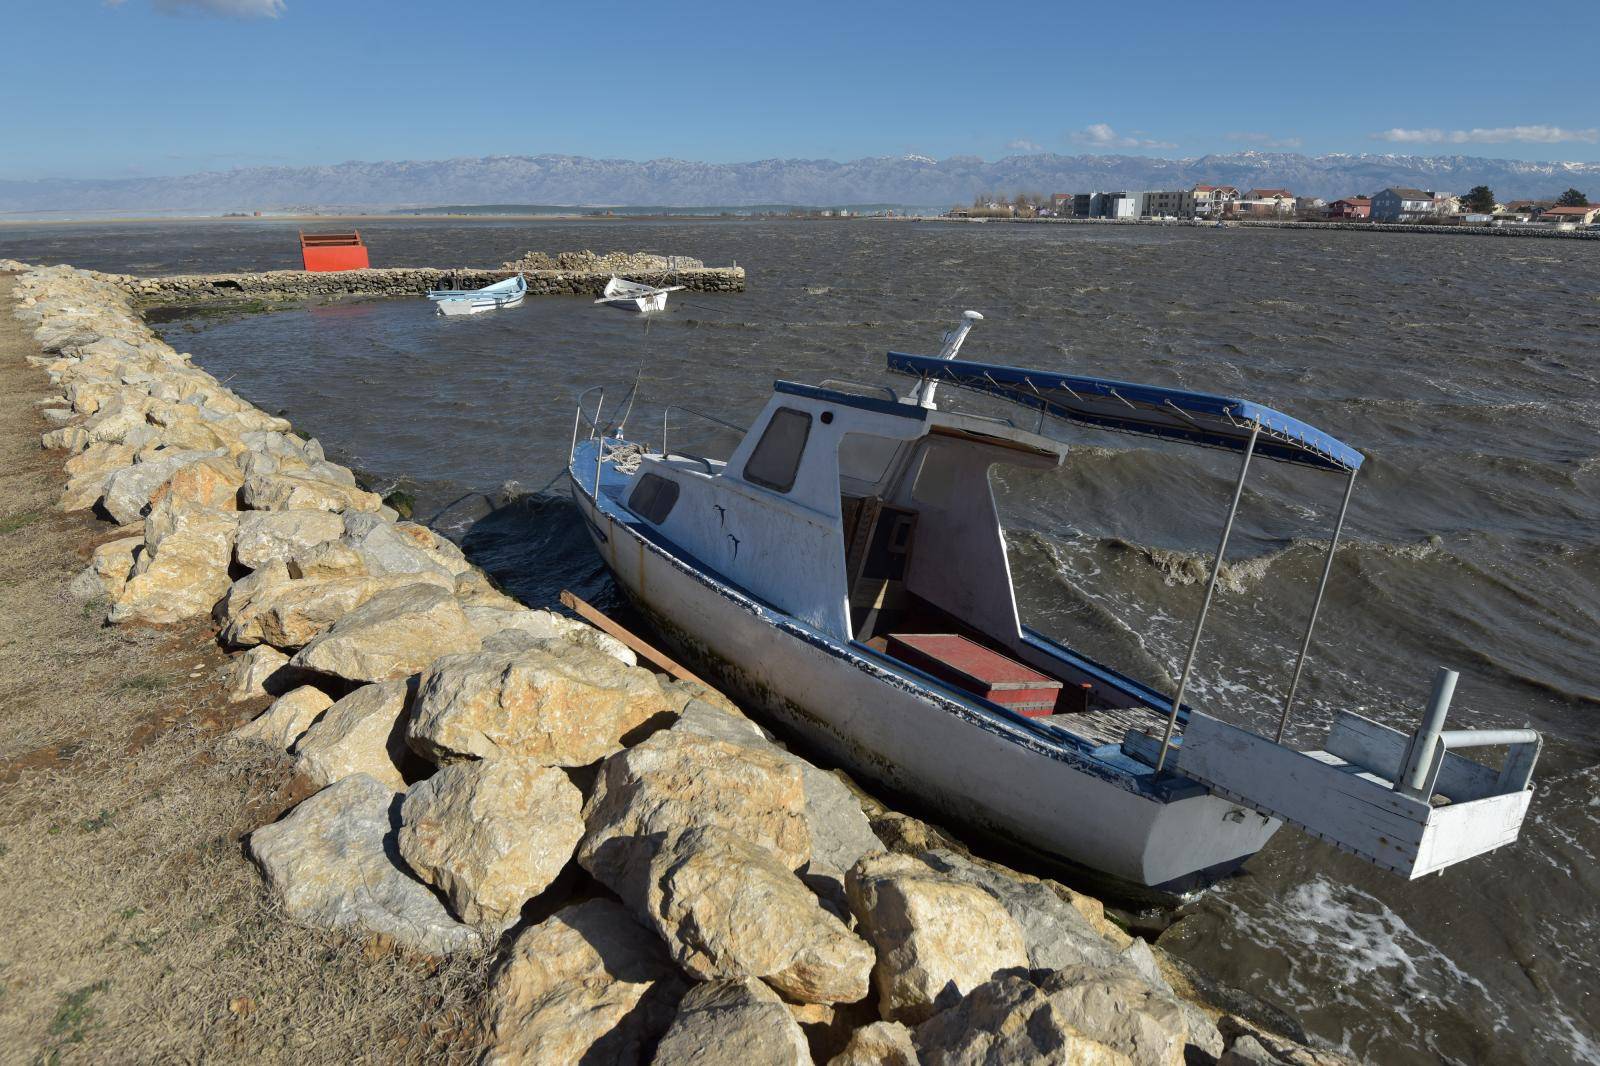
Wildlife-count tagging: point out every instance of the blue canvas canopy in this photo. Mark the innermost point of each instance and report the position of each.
(1194, 417)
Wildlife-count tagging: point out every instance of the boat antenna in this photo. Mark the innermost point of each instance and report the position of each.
(952, 345)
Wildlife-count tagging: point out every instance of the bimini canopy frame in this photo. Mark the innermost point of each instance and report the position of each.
(1176, 414)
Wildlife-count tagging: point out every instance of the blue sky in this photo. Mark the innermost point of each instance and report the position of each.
(141, 87)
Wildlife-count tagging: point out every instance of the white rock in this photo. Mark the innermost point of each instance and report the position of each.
(363, 733)
(329, 862)
(396, 633)
(287, 720)
(587, 985)
(562, 705)
(491, 834)
(936, 937)
(732, 1023)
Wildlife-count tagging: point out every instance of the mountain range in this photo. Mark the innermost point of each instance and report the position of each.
(910, 180)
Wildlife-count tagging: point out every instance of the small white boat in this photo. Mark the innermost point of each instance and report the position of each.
(846, 573)
(635, 296)
(507, 293)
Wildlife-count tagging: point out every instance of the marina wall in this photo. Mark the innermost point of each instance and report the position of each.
(403, 281)
(468, 755)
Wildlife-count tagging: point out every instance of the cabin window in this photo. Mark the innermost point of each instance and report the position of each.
(866, 456)
(776, 460)
(653, 497)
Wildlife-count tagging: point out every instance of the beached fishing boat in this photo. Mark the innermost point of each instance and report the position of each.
(507, 293)
(635, 296)
(845, 573)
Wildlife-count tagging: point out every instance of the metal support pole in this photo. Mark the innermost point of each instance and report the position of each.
(1419, 757)
(1205, 605)
(1316, 605)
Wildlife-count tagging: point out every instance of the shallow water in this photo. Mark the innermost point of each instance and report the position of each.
(1466, 369)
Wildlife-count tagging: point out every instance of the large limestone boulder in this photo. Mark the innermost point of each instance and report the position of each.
(258, 672)
(1010, 1020)
(443, 551)
(936, 937)
(562, 706)
(587, 985)
(384, 549)
(185, 571)
(491, 622)
(839, 830)
(287, 720)
(330, 862)
(730, 908)
(129, 491)
(396, 633)
(290, 492)
(1050, 1016)
(675, 781)
(99, 459)
(289, 614)
(212, 483)
(732, 1023)
(108, 571)
(1144, 1023)
(878, 1044)
(240, 594)
(363, 733)
(328, 560)
(491, 834)
(1057, 932)
(268, 535)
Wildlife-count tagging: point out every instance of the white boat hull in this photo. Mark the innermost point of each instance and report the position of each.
(862, 714)
(641, 304)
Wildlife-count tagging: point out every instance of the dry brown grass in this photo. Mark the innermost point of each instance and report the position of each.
(134, 927)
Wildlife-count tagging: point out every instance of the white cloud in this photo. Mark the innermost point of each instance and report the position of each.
(1100, 135)
(1022, 144)
(240, 9)
(1265, 140)
(1496, 135)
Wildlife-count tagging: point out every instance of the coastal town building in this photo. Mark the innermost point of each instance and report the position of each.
(1351, 208)
(1213, 201)
(1404, 205)
(1571, 216)
(1164, 204)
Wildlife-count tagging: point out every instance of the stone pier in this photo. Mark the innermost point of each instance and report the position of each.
(403, 281)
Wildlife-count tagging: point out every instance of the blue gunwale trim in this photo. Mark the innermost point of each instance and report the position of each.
(1285, 437)
(1041, 739)
(850, 399)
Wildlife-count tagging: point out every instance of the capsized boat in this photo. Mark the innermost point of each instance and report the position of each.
(845, 573)
(507, 293)
(635, 295)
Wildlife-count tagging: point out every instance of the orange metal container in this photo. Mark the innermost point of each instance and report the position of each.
(333, 251)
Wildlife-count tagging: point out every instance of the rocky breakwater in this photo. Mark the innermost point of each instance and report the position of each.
(566, 274)
(657, 879)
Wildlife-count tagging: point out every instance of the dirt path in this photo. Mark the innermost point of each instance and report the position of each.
(134, 927)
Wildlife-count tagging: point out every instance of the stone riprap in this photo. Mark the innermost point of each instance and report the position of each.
(489, 775)
(404, 281)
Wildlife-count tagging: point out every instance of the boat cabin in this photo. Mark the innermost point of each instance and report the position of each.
(872, 519)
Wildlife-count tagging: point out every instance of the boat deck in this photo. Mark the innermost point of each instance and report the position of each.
(1105, 725)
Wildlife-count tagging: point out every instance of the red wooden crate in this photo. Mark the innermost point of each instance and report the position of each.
(973, 668)
(322, 252)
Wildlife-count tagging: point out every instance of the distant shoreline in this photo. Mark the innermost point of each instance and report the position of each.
(1355, 227)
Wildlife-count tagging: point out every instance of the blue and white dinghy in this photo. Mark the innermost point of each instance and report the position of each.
(507, 293)
(845, 573)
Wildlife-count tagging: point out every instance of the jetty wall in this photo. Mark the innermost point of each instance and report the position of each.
(689, 882)
(403, 281)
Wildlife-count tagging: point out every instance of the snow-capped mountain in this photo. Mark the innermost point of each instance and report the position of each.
(908, 179)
